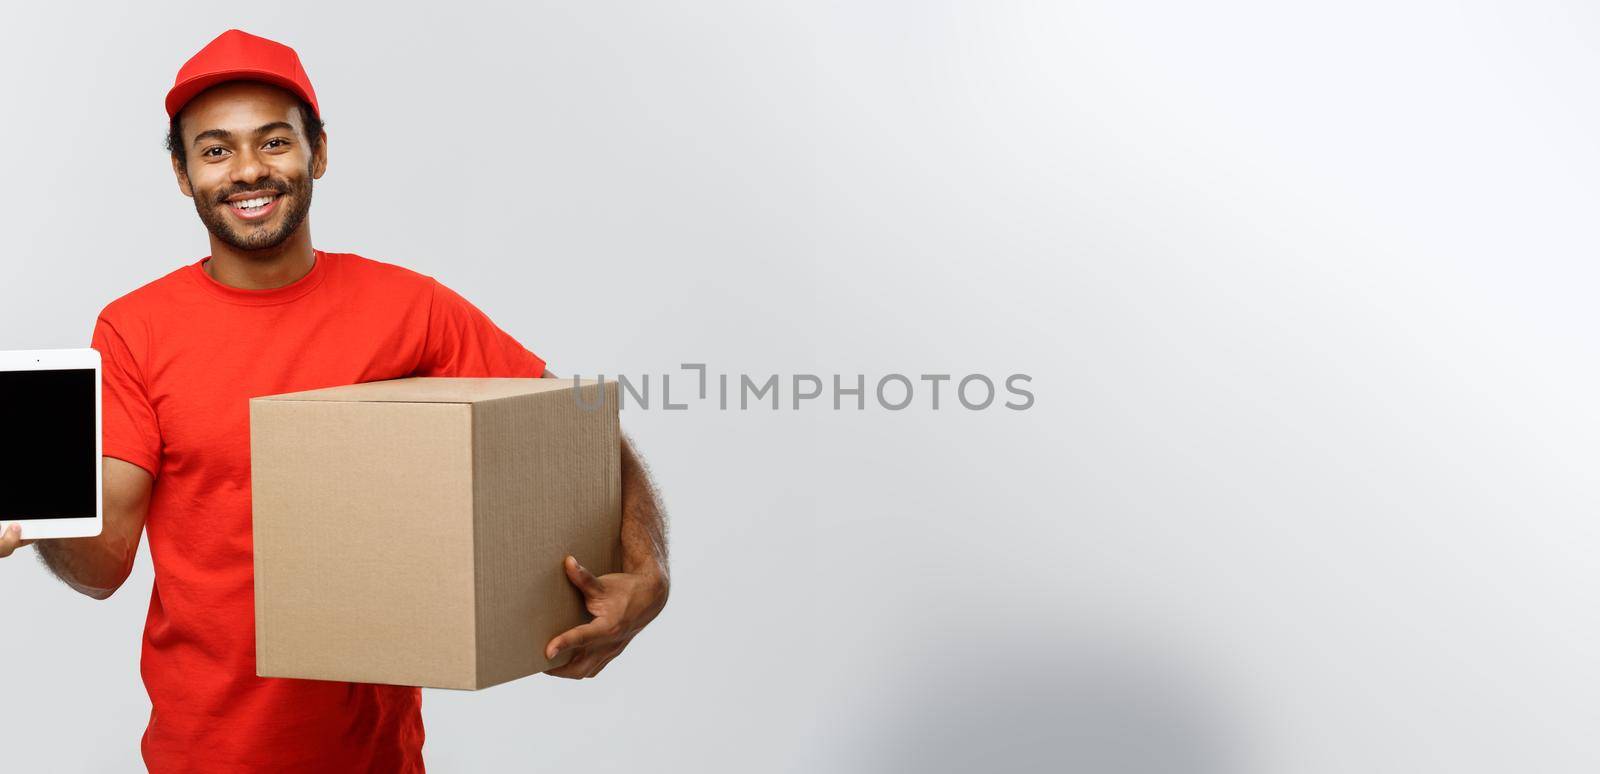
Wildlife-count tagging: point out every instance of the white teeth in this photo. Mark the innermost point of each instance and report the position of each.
(250, 204)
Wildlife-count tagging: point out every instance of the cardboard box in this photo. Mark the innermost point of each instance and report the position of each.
(411, 531)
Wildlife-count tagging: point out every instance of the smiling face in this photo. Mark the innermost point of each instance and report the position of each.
(248, 163)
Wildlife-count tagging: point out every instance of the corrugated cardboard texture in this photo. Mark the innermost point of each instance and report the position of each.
(363, 541)
(536, 455)
(411, 531)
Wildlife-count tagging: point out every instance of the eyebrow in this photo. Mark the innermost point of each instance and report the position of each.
(224, 134)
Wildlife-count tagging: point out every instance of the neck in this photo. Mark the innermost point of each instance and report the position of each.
(264, 269)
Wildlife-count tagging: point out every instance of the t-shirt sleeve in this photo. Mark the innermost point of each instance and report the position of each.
(462, 341)
(129, 430)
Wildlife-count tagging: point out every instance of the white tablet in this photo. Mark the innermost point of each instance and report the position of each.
(50, 442)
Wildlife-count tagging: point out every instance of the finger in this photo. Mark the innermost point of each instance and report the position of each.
(593, 632)
(570, 669)
(10, 540)
(591, 662)
(613, 652)
(581, 577)
(578, 669)
(604, 660)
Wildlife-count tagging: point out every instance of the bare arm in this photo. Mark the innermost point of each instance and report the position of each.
(97, 566)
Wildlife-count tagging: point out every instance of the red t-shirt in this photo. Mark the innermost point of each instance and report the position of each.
(181, 358)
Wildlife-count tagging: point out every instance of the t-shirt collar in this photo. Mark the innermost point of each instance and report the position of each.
(278, 295)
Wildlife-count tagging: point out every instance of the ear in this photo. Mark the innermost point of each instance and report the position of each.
(183, 177)
(319, 160)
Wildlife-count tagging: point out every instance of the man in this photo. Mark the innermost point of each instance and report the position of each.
(268, 313)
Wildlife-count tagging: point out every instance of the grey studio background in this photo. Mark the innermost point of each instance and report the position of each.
(1306, 291)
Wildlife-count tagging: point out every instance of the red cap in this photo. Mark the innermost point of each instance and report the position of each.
(236, 55)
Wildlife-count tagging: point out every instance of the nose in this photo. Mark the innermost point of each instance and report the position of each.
(247, 167)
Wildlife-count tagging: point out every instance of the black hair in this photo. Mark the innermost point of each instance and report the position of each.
(311, 121)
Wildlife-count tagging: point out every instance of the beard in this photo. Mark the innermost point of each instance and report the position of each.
(296, 194)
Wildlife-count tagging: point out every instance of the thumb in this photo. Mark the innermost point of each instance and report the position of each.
(11, 540)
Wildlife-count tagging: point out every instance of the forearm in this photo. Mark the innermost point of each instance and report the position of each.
(93, 566)
(644, 525)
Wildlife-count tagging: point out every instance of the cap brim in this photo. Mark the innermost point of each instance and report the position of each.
(183, 92)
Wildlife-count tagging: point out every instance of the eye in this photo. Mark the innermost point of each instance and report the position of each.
(276, 143)
(214, 151)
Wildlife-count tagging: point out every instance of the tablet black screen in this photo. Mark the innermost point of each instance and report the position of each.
(47, 449)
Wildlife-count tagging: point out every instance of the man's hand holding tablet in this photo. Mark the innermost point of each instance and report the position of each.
(85, 511)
